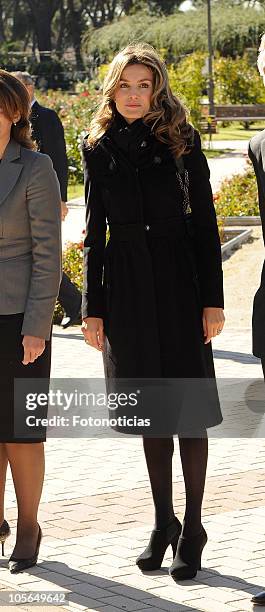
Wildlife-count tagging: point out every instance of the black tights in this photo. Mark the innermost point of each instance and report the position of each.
(194, 455)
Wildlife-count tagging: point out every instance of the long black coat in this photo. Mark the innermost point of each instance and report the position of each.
(152, 294)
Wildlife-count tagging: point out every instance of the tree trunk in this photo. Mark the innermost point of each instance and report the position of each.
(60, 39)
(2, 31)
(75, 28)
(43, 12)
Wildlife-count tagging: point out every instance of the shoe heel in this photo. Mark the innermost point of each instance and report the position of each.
(152, 557)
(3, 549)
(174, 545)
(187, 561)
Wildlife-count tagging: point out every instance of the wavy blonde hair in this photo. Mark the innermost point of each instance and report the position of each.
(167, 115)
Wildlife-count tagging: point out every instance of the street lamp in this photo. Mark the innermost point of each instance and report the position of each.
(210, 61)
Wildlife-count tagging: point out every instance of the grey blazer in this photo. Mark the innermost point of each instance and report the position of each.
(256, 152)
(30, 238)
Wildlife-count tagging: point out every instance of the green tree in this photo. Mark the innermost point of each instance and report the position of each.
(188, 82)
(237, 82)
(165, 7)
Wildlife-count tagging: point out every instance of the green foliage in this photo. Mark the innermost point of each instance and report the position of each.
(233, 30)
(237, 196)
(164, 7)
(73, 267)
(188, 82)
(237, 82)
(74, 112)
(123, 31)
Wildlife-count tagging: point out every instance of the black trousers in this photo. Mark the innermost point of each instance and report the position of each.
(13, 410)
(69, 297)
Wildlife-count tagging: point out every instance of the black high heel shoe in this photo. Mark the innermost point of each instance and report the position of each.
(4, 533)
(18, 565)
(188, 556)
(152, 557)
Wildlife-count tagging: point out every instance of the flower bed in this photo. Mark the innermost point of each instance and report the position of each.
(75, 112)
(238, 196)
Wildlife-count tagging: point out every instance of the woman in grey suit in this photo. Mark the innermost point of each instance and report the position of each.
(30, 274)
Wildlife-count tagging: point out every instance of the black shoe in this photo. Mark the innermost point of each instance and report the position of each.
(188, 556)
(18, 565)
(259, 599)
(153, 555)
(71, 318)
(4, 533)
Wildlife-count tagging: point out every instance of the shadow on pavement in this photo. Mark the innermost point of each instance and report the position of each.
(96, 592)
(235, 356)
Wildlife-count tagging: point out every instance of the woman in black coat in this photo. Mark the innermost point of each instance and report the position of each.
(161, 299)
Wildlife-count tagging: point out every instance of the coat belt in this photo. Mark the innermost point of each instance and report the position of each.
(134, 231)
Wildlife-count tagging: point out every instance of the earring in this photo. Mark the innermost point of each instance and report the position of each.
(14, 124)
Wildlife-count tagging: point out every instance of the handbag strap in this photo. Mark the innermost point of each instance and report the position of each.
(183, 179)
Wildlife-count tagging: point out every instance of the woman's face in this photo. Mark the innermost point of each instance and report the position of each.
(133, 92)
(6, 124)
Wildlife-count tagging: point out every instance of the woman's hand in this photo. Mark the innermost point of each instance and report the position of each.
(213, 322)
(64, 210)
(33, 348)
(92, 328)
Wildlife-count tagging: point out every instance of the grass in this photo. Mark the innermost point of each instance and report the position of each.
(212, 153)
(236, 131)
(75, 191)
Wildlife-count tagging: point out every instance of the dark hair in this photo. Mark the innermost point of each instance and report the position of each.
(15, 98)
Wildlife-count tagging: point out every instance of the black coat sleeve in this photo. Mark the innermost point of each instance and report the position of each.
(94, 246)
(257, 158)
(206, 236)
(53, 144)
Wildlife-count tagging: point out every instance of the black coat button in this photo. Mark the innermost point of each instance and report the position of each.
(143, 144)
(157, 160)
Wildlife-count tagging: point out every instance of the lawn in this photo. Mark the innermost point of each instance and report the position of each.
(236, 131)
(75, 191)
(212, 153)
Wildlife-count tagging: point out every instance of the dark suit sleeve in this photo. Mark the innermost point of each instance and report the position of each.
(206, 236)
(254, 153)
(94, 246)
(53, 144)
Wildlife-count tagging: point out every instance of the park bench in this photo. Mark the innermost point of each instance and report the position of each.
(230, 112)
(240, 112)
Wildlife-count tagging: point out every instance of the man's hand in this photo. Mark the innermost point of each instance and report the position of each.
(64, 210)
(92, 328)
(213, 322)
(33, 348)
